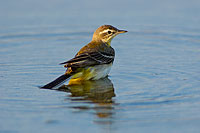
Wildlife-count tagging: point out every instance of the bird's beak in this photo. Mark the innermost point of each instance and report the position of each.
(121, 31)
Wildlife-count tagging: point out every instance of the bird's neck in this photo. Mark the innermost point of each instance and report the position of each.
(96, 41)
(109, 43)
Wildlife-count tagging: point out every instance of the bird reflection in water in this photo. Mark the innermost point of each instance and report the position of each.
(98, 93)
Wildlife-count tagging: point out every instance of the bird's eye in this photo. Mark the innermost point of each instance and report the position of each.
(109, 32)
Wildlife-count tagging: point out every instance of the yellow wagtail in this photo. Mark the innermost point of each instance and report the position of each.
(93, 61)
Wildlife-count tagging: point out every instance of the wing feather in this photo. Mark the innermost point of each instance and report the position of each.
(89, 59)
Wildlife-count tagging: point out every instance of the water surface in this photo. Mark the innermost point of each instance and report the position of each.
(153, 85)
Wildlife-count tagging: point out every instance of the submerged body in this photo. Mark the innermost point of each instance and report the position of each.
(93, 61)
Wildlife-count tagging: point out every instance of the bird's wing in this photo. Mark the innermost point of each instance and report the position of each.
(89, 59)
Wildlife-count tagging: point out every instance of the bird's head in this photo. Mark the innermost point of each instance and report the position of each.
(106, 33)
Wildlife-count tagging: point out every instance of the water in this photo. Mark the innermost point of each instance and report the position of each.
(153, 85)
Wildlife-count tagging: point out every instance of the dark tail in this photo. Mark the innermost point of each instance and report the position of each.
(57, 82)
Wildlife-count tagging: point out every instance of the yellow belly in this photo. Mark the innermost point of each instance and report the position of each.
(91, 73)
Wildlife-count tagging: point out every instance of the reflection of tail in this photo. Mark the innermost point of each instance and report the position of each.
(57, 82)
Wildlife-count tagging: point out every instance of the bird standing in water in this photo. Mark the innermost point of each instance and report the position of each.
(92, 62)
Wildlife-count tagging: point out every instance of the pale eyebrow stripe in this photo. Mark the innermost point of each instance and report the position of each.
(104, 31)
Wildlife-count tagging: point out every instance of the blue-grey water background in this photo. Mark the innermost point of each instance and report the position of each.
(155, 74)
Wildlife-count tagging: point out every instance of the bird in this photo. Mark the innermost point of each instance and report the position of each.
(92, 62)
